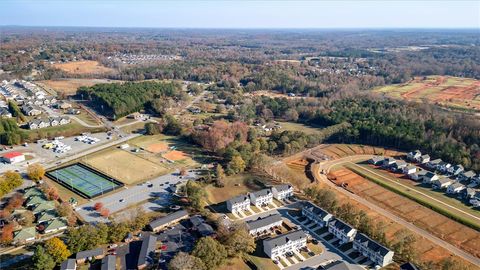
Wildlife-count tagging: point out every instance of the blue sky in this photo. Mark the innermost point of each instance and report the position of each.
(243, 14)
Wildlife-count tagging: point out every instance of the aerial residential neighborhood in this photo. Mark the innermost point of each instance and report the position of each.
(239, 135)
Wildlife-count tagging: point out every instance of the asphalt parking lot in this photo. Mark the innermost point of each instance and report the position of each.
(118, 200)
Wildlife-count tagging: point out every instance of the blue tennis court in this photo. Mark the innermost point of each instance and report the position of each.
(84, 180)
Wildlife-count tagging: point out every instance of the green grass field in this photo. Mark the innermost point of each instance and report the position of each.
(300, 127)
(394, 184)
(68, 130)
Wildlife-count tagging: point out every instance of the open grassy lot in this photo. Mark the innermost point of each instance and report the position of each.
(234, 185)
(127, 167)
(83, 67)
(67, 130)
(235, 263)
(299, 127)
(69, 86)
(461, 93)
(423, 217)
(64, 193)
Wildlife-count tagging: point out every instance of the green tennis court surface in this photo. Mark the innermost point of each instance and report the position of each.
(84, 180)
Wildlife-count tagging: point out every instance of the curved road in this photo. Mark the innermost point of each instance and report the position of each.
(322, 177)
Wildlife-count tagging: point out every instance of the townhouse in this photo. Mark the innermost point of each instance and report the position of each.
(316, 214)
(341, 230)
(238, 203)
(369, 248)
(285, 243)
(282, 192)
(264, 225)
(261, 198)
(160, 223)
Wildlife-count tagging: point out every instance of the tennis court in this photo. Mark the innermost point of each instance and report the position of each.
(84, 180)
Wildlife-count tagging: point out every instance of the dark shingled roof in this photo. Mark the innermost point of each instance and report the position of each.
(148, 246)
(108, 263)
(238, 199)
(371, 245)
(316, 210)
(68, 264)
(262, 222)
(339, 224)
(282, 187)
(89, 253)
(260, 193)
(284, 238)
(168, 218)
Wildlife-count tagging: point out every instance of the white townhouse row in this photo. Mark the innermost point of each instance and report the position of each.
(377, 253)
(316, 214)
(259, 198)
(285, 243)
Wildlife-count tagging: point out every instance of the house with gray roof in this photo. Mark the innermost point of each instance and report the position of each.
(282, 244)
(316, 214)
(261, 198)
(387, 162)
(238, 203)
(160, 223)
(424, 159)
(341, 230)
(263, 225)
(68, 264)
(414, 155)
(466, 176)
(369, 248)
(418, 176)
(398, 165)
(455, 188)
(85, 255)
(409, 169)
(433, 164)
(282, 192)
(376, 160)
(429, 177)
(443, 182)
(455, 170)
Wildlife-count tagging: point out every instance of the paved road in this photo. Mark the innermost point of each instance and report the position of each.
(322, 177)
(134, 195)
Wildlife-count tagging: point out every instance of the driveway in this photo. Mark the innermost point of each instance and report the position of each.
(158, 195)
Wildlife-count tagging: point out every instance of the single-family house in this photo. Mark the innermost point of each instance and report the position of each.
(261, 198)
(455, 188)
(466, 176)
(468, 193)
(68, 264)
(35, 200)
(387, 162)
(88, 255)
(44, 206)
(31, 110)
(371, 249)
(444, 166)
(263, 225)
(63, 105)
(409, 169)
(398, 165)
(455, 170)
(39, 123)
(53, 121)
(443, 182)
(282, 244)
(376, 160)
(55, 225)
(282, 192)
(24, 235)
(5, 113)
(433, 164)
(418, 176)
(63, 120)
(205, 229)
(160, 223)
(429, 177)
(46, 216)
(424, 159)
(316, 214)
(414, 155)
(33, 191)
(341, 230)
(238, 203)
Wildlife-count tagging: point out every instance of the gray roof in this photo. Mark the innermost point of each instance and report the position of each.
(284, 238)
(338, 265)
(196, 220)
(68, 264)
(469, 174)
(149, 244)
(238, 199)
(89, 253)
(443, 180)
(411, 167)
(205, 229)
(421, 172)
(371, 245)
(260, 193)
(108, 263)
(435, 161)
(425, 156)
(377, 158)
(262, 222)
(400, 162)
(168, 218)
(316, 210)
(430, 175)
(457, 185)
(340, 225)
(282, 187)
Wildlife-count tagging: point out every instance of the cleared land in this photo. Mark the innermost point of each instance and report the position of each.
(461, 93)
(234, 186)
(419, 215)
(299, 127)
(83, 67)
(70, 86)
(125, 166)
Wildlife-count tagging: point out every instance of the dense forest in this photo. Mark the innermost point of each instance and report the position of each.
(117, 100)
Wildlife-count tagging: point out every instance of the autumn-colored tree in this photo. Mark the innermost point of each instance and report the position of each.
(220, 134)
(236, 165)
(50, 191)
(220, 176)
(183, 171)
(97, 206)
(104, 212)
(57, 249)
(7, 234)
(15, 201)
(35, 172)
(26, 219)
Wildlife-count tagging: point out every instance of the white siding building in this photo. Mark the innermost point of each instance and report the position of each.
(316, 214)
(341, 230)
(377, 253)
(289, 242)
(264, 225)
(281, 192)
(239, 203)
(261, 197)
